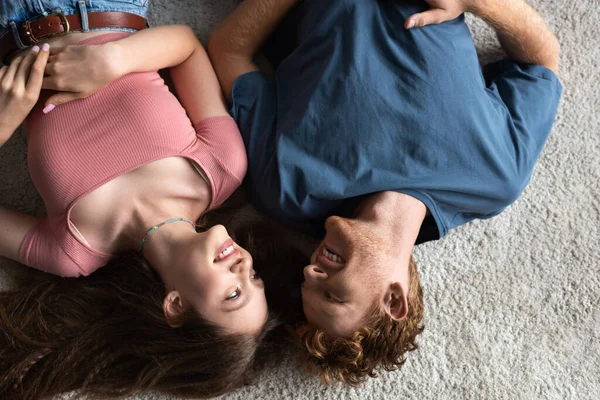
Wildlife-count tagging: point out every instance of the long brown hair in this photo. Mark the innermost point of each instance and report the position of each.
(106, 335)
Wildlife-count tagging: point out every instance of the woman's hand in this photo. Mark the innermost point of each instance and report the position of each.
(78, 71)
(20, 86)
(441, 11)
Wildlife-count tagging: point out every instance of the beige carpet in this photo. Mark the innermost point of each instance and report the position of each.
(512, 304)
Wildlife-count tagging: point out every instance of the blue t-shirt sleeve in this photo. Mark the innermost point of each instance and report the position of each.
(253, 105)
(254, 109)
(528, 94)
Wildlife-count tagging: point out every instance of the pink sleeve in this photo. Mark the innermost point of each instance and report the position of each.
(41, 250)
(228, 162)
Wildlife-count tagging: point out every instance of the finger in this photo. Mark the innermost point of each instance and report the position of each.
(51, 67)
(50, 83)
(36, 76)
(9, 77)
(26, 64)
(55, 50)
(59, 99)
(3, 71)
(432, 16)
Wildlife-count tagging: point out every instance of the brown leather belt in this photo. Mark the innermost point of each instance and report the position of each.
(58, 24)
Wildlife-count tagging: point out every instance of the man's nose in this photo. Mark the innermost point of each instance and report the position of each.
(314, 272)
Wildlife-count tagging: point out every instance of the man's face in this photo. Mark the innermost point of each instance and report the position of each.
(348, 273)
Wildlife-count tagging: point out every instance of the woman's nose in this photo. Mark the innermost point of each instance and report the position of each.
(313, 272)
(219, 230)
(242, 266)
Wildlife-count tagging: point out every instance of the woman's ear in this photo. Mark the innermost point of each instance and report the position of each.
(396, 304)
(173, 309)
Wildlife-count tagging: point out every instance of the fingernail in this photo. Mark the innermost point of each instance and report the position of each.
(49, 108)
(411, 23)
(35, 49)
(45, 47)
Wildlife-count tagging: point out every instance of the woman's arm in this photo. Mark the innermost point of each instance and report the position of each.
(13, 229)
(20, 85)
(80, 71)
(197, 86)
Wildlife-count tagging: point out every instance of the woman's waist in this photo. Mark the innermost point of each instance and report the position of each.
(29, 22)
(18, 12)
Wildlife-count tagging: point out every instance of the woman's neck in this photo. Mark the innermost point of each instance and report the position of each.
(161, 246)
(149, 215)
(158, 191)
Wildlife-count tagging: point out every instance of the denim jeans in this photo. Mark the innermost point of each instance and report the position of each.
(14, 13)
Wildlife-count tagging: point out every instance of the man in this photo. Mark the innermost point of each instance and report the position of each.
(389, 135)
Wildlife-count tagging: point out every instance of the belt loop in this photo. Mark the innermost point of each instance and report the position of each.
(85, 26)
(42, 10)
(15, 32)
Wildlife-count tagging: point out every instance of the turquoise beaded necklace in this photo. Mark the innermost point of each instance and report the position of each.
(155, 227)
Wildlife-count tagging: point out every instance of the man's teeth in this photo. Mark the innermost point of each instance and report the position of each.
(226, 252)
(332, 256)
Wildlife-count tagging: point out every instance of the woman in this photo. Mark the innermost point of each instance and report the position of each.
(123, 171)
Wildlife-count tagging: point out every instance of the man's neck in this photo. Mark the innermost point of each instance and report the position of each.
(398, 215)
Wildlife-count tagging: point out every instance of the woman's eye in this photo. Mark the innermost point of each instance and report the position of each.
(255, 276)
(234, 295)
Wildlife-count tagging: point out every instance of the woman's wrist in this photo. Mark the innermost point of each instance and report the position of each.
(7, 129)
(118, 60)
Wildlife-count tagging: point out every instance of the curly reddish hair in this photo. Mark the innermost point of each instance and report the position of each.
(381, 342)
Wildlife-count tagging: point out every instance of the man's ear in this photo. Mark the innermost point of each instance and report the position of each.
(396, 304)
(173, 309)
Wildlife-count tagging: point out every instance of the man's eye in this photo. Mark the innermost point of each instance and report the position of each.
(234, 295)
(332, 299)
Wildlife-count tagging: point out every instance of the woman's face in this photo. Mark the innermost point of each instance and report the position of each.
(218, 280)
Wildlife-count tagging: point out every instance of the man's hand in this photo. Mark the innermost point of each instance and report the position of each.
(521, 31)
(440, 11)
(78, 71)
(20, 86)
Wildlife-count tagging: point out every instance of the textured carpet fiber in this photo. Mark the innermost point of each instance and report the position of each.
(512, 304)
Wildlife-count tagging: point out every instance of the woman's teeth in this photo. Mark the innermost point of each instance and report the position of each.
(225, 252)
(332, 256)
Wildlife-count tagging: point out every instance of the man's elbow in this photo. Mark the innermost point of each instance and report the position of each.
(219, 45)
(213, 45)
(553, 54)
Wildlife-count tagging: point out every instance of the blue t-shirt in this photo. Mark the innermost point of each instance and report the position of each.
(361, 105)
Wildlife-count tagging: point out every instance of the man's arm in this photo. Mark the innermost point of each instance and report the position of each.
(522, 33)
(234, 42)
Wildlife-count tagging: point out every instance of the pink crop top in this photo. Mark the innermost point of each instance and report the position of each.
(81, 145)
